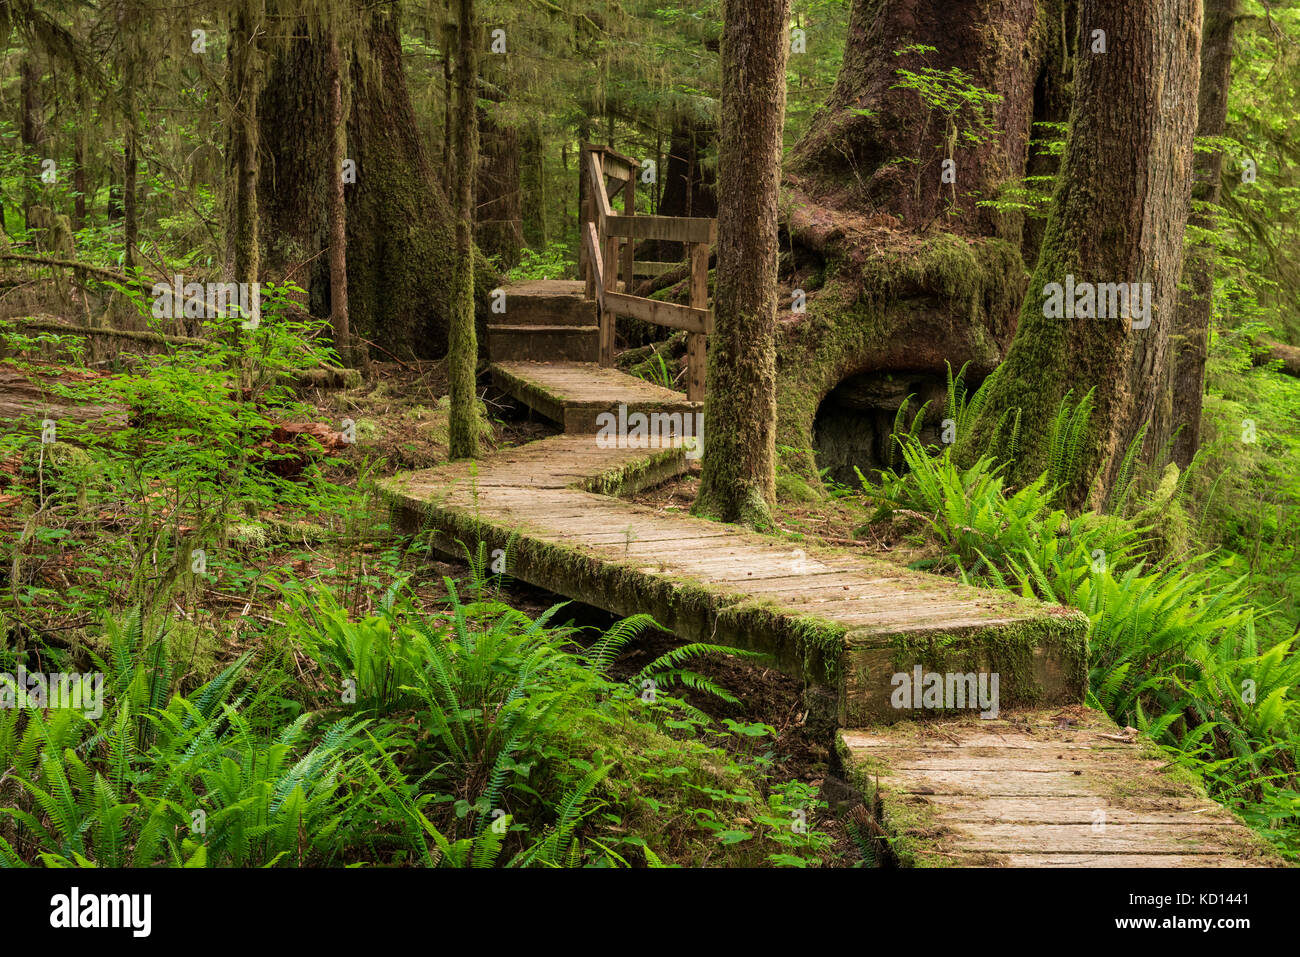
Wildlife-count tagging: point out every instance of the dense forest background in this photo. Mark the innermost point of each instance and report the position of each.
(320, 148)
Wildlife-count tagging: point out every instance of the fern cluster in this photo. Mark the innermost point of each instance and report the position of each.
(1174, 646)
(474, 737)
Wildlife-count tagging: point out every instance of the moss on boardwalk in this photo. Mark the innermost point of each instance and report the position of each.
(1037, 788)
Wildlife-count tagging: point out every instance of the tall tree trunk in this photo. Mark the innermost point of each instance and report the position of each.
(533, 185)
(739, 479)
(400, 230)
(79, 159)
(448, 97)
(130, 220)
(339, 79)
(462, 352)
(688, 188)
(498, 212)
(1118, 216)
(1195, 303)
(33, 132)
(885, 147)
(131, 52)
(247, 212)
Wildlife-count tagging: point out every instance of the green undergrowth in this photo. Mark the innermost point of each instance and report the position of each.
(463, 735)
(1181, 645)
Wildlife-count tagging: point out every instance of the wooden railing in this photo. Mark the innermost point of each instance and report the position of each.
(608, 239)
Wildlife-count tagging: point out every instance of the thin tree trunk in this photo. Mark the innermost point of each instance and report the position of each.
(130, 215)
(33, 132)
(339, 76)
(462, 353)
(533, 185)
(1195, 304)
(1118, 216)
(130, 224)
(247, 239)
(448, 103)
(79, 169)
(498, 209)
(739, 478)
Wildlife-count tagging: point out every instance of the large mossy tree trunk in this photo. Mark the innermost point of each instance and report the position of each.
(462, 353)
(889, 288)
(689, 186)
(1190, 341)
(878, 148)
(400, 227)
(1118, 216)
(739, 479)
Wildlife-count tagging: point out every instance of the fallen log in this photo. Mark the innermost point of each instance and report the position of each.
(1268, 352)
(322, 377)
(50, 324)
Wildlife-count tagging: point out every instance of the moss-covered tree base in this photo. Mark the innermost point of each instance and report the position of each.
(891, 303)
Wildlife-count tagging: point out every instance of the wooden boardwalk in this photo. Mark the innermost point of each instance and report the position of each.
(840, 619)
(960, 790)
(1042, 788)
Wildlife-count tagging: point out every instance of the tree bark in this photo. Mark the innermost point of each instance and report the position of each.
(1118, 216)
(689, 189)
(79, 182)
(338, 206)
(880, 149)
(1195, 302)
(399, 220)
(887, 294)
(499, 212)
(247, 250)
(739, 478)
(462, 352)
(130, 197)
(33, 132)
(532, 185)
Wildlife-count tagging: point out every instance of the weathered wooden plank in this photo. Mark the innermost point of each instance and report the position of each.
(1076, 810)
(1035, 789)
(1125, 860)
(596, 266)
(615, 164)
(1106, 838)
(596, 190)
(670, 314)
(644, 267)
(673, 229)
(629, 209)
(986, 783)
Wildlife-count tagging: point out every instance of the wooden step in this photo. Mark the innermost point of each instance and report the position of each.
(574, 394)
(562, 343)
(548, 302)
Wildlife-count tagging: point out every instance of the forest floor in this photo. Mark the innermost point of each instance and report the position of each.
(400, 415)
(402, 426)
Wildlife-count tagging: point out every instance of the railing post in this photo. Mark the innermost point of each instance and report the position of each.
(696, 361)
(629, 209)
(588, 269)
(585, 213)
(607, 315)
